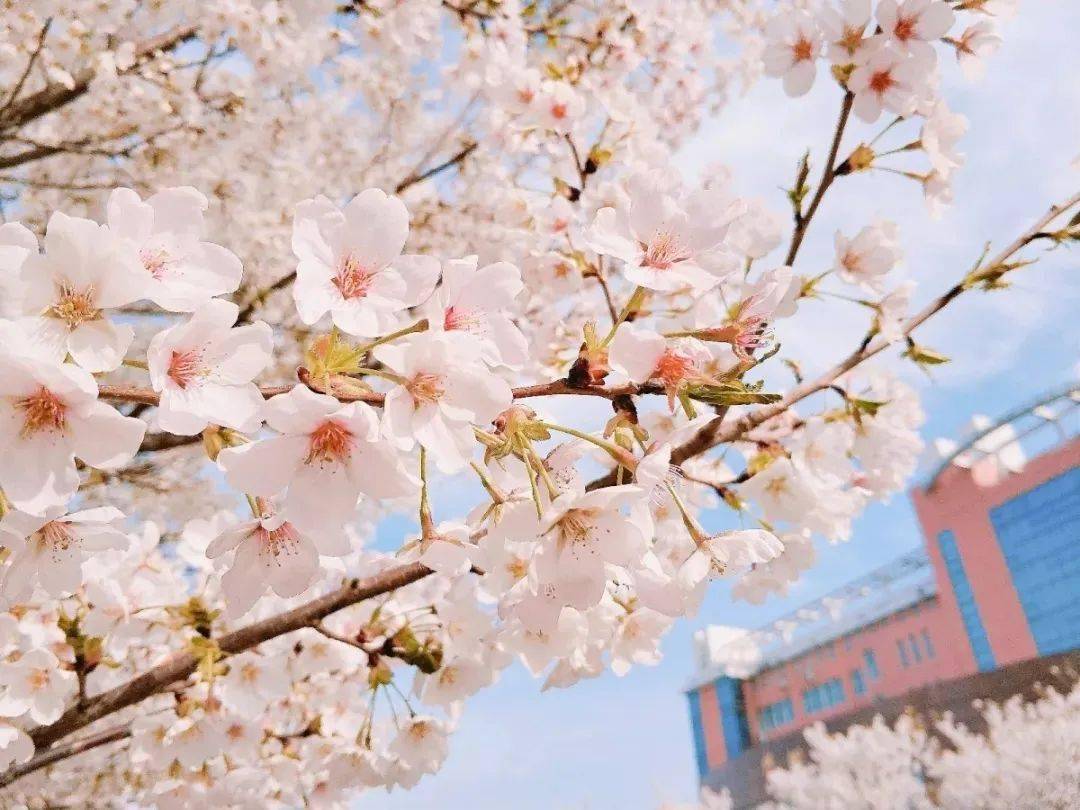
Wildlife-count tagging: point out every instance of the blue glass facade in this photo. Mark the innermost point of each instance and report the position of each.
(732, 716)
(823, 696)
(965, 601)
(700, 759)
(1039, 534)
(776, 714)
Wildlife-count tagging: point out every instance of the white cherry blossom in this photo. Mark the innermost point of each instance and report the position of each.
(35, 685)
(794, 44)
(204, 367)
(84, 271)
(49, 550)
(444, 391)
(478, 304)
(667, 243)
(326, 455)
(270, 553)
(49, 416)
(867, 257)
(350, 263)
(183, 272)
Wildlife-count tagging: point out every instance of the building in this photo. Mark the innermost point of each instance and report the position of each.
(985, 607)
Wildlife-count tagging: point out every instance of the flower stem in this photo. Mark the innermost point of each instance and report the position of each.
(419, 326)
(632, 306)
(427, 525)
(620, 455)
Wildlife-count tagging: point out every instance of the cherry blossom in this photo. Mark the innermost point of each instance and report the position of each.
(203, 369)
(35, 685)
(886, 79)
(50, 550)
(793, 49)
(84, 271)
(478, 303)
(270, 553)
(184, 272)
(914, 24)
(326, 455)
(351, 264)
(443, 392)
(664, 242)
(868, 256)
(49, 416)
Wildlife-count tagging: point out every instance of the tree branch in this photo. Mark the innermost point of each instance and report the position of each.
(714, 433)
(828, 174)
(56, 95)
(181, 665)
(62, 752)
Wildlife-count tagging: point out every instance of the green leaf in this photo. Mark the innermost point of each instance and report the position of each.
(730, 392)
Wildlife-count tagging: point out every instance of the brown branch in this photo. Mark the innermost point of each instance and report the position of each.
(29, 67)
(62, 752)
(802, 221)
(181, 665)
(714, 432)
(56, 95)
(147, 396)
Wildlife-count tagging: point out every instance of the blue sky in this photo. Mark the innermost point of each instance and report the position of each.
(625, 742)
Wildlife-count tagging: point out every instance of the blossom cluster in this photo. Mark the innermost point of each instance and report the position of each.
(210, 398)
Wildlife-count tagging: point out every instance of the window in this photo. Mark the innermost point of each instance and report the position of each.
(858, 685)
(965, 601)
(927, 643)
(871, 664)
(914, 642)
(776, 714)
(1037, 531)
(903, 652)
(823, 696)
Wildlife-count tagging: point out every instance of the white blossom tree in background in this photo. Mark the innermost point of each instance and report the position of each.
(274, 269)
(1026, 758)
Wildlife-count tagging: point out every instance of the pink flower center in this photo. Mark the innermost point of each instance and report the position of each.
(425, 388)
(155, 261)
(662, 251)
(42, 410)
(74, 307)
(462, 320)
(673, 368)
(881, 81)
(558, 111)
(185, 367)
(330, 441)
(279, 542)
(802, 50)
(905, 28)
(353, 279)
(55, 535)
(38, 679)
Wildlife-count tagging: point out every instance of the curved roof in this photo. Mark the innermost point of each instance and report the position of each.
(1046, 421)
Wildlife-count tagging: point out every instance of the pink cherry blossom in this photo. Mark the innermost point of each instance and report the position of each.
(84, 271)
(204, 367)
(351, 264)
(183, 272)
(326, 455)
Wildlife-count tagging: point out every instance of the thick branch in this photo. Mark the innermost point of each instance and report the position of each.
(181, 665)
(62, 752)
(56, 95)
(147, 396)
